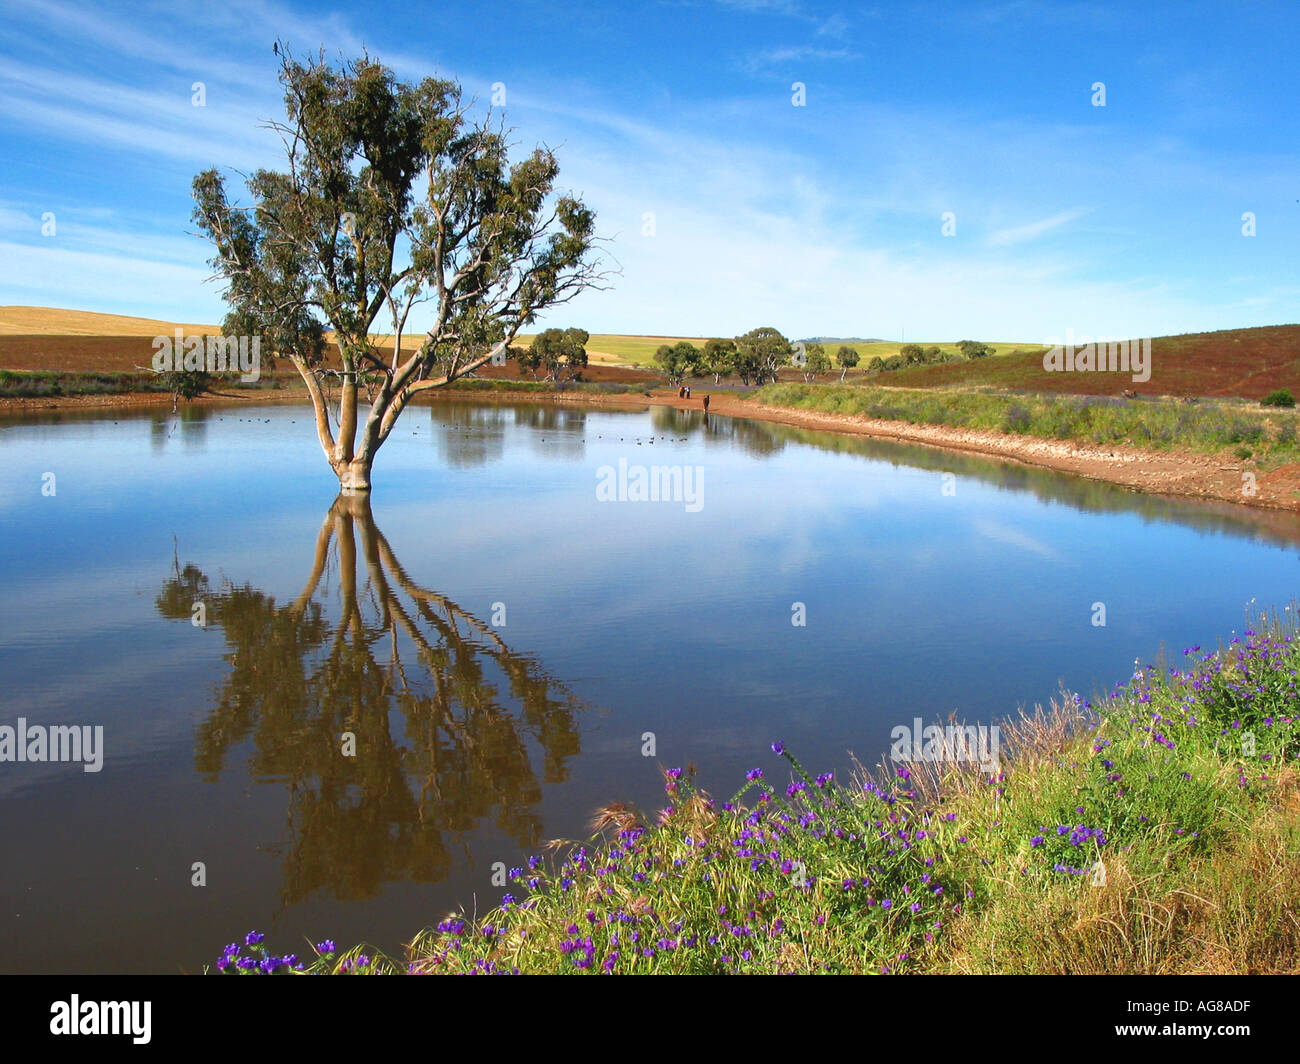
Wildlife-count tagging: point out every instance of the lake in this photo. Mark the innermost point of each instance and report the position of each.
(342, 718)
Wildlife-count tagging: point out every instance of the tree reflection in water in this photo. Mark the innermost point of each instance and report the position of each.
(467, 706)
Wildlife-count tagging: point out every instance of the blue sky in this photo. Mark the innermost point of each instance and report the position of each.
(822, 219)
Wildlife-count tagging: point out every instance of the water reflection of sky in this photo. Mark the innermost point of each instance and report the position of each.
(657, 619)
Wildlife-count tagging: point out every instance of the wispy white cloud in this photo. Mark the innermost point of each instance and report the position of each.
(1021, 234)
(788, 55)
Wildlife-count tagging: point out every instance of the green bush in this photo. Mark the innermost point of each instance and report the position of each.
(1281, 397)
(1017, 419)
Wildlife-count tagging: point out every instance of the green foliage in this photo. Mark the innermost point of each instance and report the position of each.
(719, 358)
(760, 353)
(1281, 397)
(974, 349)
(1154, 424)
(20, 384)
(561, 352)
(876, 365)
(186, 384)
(1017, 419)
(679, 361)
(1156, 832)
(818, 361)
(391, 195)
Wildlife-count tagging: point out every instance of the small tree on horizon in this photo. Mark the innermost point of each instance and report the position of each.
(974, 349)
(847, 358)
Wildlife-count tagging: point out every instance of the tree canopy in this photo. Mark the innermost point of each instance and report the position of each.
(561, 352)
(760, 353)
(392, 197)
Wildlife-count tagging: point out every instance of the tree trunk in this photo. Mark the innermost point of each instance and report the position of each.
(354, 476)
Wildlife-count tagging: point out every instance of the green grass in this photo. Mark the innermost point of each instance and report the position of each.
(1156, 424)
(39, 384)
(1157, 832)
(612, 349)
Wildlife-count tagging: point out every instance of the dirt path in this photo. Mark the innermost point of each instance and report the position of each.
(1186, 473)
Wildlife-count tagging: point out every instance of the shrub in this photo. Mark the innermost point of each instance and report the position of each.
(1017, 419)
(186, 384)
(1281, 397)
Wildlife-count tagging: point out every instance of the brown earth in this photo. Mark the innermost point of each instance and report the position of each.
(31, 352)
(1245, 363)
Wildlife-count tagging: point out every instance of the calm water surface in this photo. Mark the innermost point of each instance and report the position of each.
(498, 641)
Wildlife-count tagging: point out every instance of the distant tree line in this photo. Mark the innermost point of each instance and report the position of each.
(761, 353)
(755, 358)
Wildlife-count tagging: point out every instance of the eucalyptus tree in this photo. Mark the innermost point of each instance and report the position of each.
(559, 351)
(718, 358)
(392, 197)
(760, 353)
(816, 361)
(678, 361)
(847, 357)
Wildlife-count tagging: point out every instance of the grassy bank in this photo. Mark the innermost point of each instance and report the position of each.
(17, 384)
(48, 384)
(1157, 831)
(1248, 430)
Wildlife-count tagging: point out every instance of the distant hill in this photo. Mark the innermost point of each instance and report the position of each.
(1248, 363)
(54, 321)
(826, 341)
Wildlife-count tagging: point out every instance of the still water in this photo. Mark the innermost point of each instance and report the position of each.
(502, 642)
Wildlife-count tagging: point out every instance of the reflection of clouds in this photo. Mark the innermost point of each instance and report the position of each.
(1012, 537)
(744, 532)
